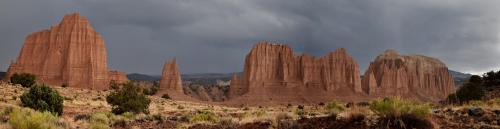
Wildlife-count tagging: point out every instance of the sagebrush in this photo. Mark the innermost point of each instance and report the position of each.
(43, 98)
(24, 79)
(128, 97)
(29, 119)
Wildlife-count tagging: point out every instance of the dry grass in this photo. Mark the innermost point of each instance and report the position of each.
(88, 102)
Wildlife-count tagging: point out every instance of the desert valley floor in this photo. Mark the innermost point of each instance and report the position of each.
(80, 104)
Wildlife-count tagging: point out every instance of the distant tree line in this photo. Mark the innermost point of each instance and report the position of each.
(474, 88)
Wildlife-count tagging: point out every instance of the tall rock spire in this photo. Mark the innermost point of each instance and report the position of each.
(171, 77)
(71, 54)
(171, 83)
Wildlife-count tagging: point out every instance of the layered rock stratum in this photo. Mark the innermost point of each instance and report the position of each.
(71, 53)
(274, 74)
(415, 76)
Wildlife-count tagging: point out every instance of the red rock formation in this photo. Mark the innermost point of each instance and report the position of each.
(273, 72)
(70, 53)
(171, 83)
(235, 88)
(419, 77)
(118, 76)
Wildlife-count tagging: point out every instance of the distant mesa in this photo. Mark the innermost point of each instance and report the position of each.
(419, 77)
(71, 53)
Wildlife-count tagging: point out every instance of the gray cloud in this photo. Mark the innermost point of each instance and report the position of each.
(215, 35)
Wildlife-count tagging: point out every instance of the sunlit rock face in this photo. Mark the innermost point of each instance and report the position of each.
(419, 77)
(273, 72)
(71, 53)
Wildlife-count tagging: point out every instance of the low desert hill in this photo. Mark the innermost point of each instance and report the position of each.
(459, 77)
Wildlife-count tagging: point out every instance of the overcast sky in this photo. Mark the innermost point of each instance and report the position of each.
(215, 35)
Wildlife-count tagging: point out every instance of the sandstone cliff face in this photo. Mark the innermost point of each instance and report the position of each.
(118, 76)
(171, 83)
(70, 53)
(273, 72)
(419, 77)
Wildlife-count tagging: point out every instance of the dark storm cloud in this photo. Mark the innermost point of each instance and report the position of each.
(215, 35)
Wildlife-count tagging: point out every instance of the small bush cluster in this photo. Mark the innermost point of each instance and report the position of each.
(334, 107)
(106, 120)
(128, 97)
(204, 116)
(472, 90)
(260, 113)
(491, 79)
(397, 113)
(300, 111)
(24, 79)
(155, 117)
(393, 106)
(29, 119)
(150, 91)
(489, 103)
(165, 96)
(99, 121)
(43, 98)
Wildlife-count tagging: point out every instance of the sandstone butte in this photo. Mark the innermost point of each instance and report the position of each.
(416, 77)
(273, 74)
(170, 82)
(70, 53)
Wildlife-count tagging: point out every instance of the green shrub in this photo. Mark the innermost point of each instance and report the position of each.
(204, 116)
(29, 119)
(128, 98)
(397, 113)
(334, 108)
(105, 120)
(180, 107)
(491, 78)
(158, 117)
(150, 91)
(477, 103)
(165, 96)
(260, 113)
(128, 115)
(24, 79)
(100, 118)
(300, 112)
(43, 98)
(394, 106)
(472, 90)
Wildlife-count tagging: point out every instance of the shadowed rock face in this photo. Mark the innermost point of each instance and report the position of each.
(70, 53)
(273, 72)
(420, 77)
